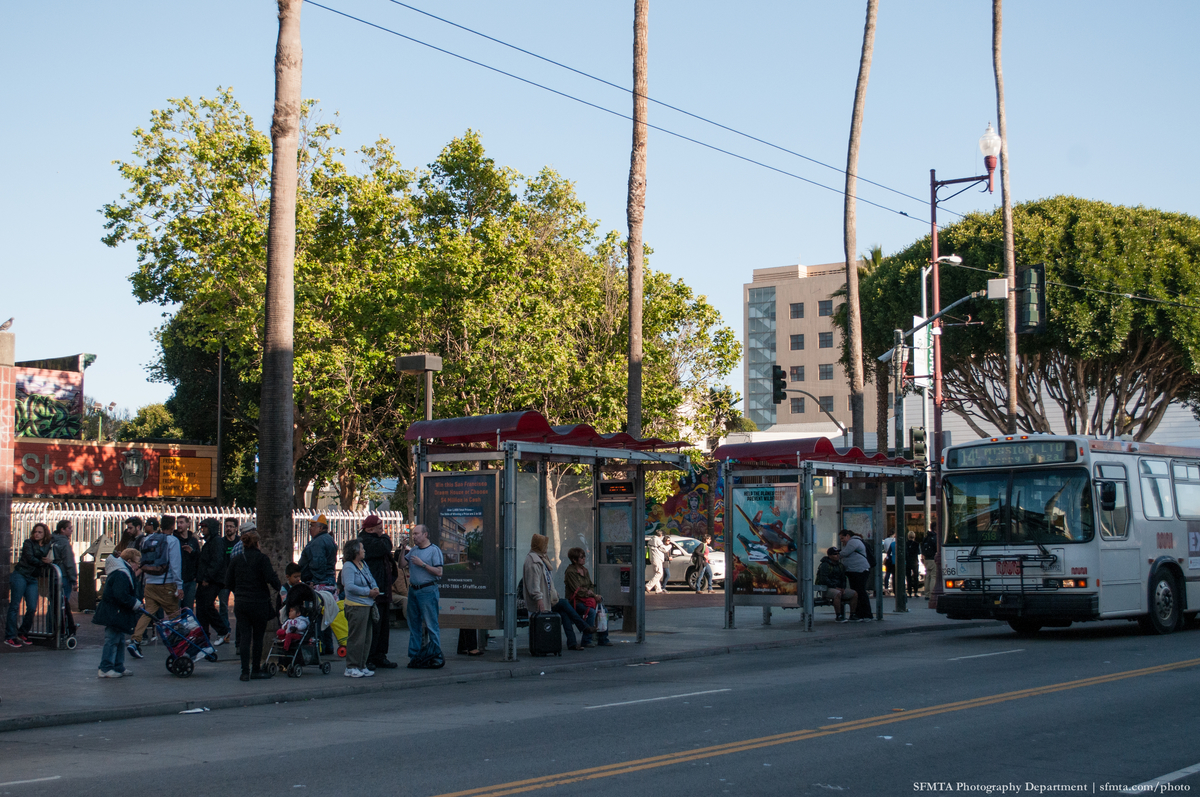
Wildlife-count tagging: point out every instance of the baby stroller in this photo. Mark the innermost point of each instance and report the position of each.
(305, 652)
(185, 642)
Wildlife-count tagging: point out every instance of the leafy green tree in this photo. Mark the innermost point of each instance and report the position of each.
(151, 423)
(1122, 340)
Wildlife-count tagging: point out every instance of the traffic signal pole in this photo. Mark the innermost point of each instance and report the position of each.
(901, 525)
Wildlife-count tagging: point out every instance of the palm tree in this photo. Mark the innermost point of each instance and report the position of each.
(276, 412)
(854, 325)
(635, 212)
(1010, 260)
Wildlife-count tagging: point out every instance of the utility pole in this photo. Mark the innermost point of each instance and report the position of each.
(898, 386)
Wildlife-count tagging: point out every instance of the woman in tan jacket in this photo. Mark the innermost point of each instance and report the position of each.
(541, 596)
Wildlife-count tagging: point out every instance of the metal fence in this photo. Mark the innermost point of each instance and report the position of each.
(94, 522)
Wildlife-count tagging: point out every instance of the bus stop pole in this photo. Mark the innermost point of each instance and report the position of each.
(637, 568)
(727, 540)
(806, 557)
(510, 553)
(901, 520)
(877, 544)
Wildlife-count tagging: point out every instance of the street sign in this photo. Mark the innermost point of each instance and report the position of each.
(922, 354)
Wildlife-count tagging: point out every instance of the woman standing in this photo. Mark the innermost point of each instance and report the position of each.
(118, 610)
(36, 553)
(581, 591)
(250, 578)
(361, 592)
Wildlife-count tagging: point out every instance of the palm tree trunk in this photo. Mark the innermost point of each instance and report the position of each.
(853, 312)
(275, 466)
(1010, 257)
(635, 212)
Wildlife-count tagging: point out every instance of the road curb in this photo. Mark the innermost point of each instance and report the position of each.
(518, 670)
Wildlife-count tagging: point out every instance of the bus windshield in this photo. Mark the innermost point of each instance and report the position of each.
(1051, 506)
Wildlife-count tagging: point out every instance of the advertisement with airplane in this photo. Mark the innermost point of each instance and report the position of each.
(764, 539)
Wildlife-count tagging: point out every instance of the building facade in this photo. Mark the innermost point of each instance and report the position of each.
(788, 318)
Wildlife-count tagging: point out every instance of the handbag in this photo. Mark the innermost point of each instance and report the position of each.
(374, 613)
(601, 618)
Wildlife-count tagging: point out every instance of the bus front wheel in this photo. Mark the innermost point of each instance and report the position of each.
(1024, 627)
(1164, 604)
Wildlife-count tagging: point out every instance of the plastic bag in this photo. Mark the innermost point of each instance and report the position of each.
(601, 619)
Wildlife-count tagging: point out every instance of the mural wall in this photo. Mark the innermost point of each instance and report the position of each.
(685, 513)
(49, 403)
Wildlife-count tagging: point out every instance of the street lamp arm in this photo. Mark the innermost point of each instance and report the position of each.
(822, 409)
(887, 356)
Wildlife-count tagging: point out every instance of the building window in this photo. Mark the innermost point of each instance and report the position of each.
(825, 371)
(798, 406)
(825, 340)
(797, 342)
(797, 309)
(797, 373)
(760, 355)
(827, 403)
(825, 307)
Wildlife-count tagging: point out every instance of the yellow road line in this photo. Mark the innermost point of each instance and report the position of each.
(685, 756)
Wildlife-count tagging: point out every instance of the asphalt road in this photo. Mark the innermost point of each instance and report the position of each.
(1083, 707)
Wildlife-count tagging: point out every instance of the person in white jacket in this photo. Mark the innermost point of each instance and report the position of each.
(658, 552)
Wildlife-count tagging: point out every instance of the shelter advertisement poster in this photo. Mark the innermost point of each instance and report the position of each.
(460, 511)
(765, 554)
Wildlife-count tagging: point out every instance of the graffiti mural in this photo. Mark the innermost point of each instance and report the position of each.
(686, 511)
(49, 403)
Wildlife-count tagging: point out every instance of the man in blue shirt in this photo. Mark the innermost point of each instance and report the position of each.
(424, 571)
(162, 573)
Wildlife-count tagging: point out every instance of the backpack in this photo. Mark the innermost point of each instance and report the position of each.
(870, 553)
(698, 555)
(155, 554)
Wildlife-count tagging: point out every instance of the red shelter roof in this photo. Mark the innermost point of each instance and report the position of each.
(528, 427)
(789, 452)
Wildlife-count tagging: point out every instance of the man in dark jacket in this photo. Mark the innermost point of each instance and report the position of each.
(189, 559)
(318, 560)
(118, 610)
(378, 548)
(929, 552)
(64, 557)
(831, 574)
(210, 580)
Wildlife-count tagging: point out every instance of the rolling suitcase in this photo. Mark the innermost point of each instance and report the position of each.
(545, 634)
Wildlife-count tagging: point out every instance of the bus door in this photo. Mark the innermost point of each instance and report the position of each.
(1120, 569)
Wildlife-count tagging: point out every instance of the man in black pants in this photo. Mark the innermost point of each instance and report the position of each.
(378, 548)
(210, 577)
(854, 559)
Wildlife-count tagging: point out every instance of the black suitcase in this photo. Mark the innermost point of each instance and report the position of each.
(545, 634)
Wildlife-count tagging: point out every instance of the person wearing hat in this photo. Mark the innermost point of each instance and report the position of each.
(378, 549)
(210, 580)
(831, 575)
(854, 559)
(318, 566)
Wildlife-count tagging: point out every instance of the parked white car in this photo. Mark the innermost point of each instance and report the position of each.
(682, 572)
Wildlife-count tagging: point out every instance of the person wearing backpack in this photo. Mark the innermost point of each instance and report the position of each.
(162, 573)
(703, 568)
(854, 559)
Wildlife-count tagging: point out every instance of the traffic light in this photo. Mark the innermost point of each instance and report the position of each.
(1031, 299)
(778, 384)
(919, 449)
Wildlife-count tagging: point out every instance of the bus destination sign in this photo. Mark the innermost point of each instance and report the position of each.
(1011, 455)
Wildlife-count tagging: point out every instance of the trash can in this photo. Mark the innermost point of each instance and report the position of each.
(87, 585)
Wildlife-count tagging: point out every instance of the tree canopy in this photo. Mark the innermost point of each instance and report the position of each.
(1123, 336)
(503, 275)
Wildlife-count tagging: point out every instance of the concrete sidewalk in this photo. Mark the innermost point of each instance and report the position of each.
(41, 687)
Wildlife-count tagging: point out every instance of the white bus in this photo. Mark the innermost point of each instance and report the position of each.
(1047, 530)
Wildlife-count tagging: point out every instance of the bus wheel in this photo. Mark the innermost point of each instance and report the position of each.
(1164, 603)
(1025, 627)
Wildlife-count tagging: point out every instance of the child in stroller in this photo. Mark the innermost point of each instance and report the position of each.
(295, 645)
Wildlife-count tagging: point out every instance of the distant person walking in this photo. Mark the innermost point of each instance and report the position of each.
(658, 553)
(701, 558)
(118, 610)
(854, 559)
(250, 578)
(425, 562)
(37, 552)
(161, 570)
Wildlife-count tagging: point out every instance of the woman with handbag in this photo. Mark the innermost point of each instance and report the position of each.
(581, 591)
(360, 608)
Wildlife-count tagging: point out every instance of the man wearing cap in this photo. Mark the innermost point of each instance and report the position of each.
(318, 566)
(854, 559)
(378, 549)
(831, 575)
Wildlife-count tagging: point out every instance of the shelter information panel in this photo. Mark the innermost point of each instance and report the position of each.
(460, 510)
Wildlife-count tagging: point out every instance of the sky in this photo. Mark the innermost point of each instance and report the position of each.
(1100, 104)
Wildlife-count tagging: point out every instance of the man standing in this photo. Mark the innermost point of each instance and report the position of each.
(189, 555)
(658, 553)
(64, 557)
(424, 570)
(230, 540)
(161, 569)
(210, 578)
(378, 549)
(929, 550)
(318, 567)
(854, 559)
(703, 566)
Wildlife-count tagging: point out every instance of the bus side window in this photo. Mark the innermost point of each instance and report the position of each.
(1156, 490)
(1114, 523)
(1187, 488)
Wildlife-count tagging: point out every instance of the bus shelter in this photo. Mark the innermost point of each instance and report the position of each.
(785, 502)
(513, 475)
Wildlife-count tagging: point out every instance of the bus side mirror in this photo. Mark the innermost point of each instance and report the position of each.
(1108, 496)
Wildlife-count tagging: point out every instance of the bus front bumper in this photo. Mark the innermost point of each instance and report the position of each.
(1013, 605)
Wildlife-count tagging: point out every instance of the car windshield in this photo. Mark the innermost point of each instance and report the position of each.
(1048, 506)
(687, 544)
